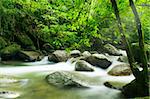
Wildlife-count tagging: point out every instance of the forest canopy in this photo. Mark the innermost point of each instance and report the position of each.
(73, 24)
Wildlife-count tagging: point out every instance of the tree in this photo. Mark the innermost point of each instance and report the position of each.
(141, 77)
(144, 73)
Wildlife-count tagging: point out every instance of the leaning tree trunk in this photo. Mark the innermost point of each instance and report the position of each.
(144, 77)
(138, 87)
(125, 41)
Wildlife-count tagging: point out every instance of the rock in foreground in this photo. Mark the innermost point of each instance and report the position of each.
(65, 79)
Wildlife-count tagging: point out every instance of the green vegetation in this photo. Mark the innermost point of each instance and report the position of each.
(74, 24)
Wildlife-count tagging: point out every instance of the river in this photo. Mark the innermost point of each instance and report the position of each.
(36, 86)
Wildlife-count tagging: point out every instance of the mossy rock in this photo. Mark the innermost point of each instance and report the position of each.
(3, 43)
(136, 51)
(9, 52)
(29, 56)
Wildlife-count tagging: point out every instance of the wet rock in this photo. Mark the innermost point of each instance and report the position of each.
(9, 52)
(86, 54)
(120, 70)
(123, 59)
(29, 56)
(65, 79)
(110, 85)
(9, 94)
(110, 49)
(75, 53)
(98, 60)
(58, 56)
(82, 65)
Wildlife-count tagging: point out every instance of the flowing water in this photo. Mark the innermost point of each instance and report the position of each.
(36, 87)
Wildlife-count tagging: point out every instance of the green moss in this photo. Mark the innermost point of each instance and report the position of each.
(10, 49)
(3, 43)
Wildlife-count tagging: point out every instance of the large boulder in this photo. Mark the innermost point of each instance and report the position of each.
(120, 70)
(82, 65)
(98, 60)
(9, 52)
(29, 56)
(58, 56)
(65, 79)
(75, 53)
(110, 49)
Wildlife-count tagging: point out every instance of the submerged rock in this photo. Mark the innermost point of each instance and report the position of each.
(58, 56)
(112, 86)
(98, 60)
(29, 56)
(65, 79)
(9, 94)
(82, 65)
(110, 49)
(120, 70)
(75, 53)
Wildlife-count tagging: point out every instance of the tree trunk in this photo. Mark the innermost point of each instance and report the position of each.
(144, 78)
(134, 69)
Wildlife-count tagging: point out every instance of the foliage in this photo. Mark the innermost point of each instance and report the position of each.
(73, 24)
(3, 43)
